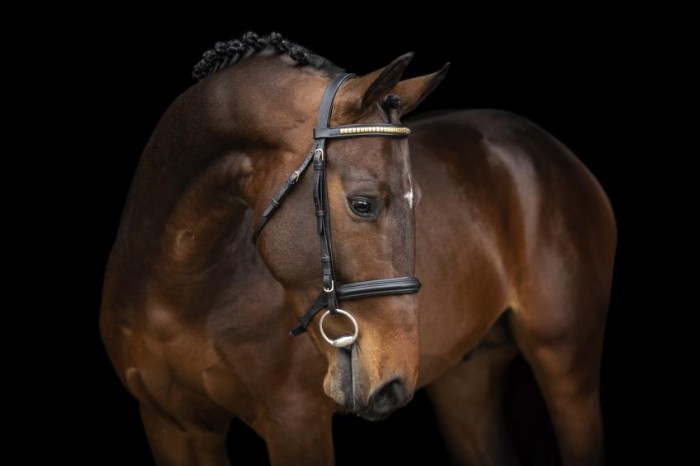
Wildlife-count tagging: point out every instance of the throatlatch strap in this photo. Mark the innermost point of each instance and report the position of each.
(324, 118)
(292, 180)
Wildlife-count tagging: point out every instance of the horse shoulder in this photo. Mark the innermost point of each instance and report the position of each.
(504, 205)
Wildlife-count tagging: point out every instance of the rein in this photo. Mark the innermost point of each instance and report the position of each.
(334, 292)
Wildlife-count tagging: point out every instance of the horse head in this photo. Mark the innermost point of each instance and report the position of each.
(370, 198)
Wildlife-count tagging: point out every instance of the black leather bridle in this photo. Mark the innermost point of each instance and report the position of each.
(334, 292)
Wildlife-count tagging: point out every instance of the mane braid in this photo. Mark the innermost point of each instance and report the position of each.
(229, 53)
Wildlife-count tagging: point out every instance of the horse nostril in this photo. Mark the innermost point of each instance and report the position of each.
(389, 397)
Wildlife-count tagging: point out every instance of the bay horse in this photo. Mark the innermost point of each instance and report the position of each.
(512, 238)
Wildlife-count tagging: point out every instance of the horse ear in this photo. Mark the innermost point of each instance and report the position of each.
(413, 91)
(373, 86)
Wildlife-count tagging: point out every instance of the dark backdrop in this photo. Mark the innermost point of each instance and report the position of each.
(573, 81)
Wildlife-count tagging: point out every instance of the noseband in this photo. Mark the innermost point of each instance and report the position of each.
(334, 292)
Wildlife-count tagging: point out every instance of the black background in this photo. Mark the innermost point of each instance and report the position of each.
(118, 74)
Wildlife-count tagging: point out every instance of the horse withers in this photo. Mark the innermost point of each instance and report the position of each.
(511, 236)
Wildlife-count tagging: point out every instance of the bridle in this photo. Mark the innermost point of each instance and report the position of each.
(333, 292)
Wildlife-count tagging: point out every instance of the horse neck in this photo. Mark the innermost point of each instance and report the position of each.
(187, 222)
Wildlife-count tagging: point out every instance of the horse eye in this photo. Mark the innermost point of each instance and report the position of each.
(361, 206)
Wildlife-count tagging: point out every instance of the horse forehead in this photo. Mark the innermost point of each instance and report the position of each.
(371, 164)
(380, 153)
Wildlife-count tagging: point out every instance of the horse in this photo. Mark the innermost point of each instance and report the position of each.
(511, 236)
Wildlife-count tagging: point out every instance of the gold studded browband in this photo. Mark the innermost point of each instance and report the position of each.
(349, 131)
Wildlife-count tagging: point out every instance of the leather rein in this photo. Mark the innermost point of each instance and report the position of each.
(334, 292)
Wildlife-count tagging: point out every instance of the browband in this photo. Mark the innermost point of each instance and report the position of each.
(353, 131)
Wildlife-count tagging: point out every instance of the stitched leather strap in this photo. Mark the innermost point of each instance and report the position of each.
(324, 112)
(333, 292)
(324, 118)
(292, 180)
(321, 195)
(381, 287)
(324, 230)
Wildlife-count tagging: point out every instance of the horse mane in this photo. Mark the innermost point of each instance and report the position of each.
(225, 54)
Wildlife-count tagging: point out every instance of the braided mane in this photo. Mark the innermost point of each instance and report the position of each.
(225, 54)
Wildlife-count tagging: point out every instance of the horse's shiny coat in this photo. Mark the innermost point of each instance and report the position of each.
(514, 242)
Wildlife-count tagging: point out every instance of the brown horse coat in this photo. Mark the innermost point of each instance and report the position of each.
(514, 244)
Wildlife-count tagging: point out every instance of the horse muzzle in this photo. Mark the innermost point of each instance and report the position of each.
(347, 385)
(386, 399)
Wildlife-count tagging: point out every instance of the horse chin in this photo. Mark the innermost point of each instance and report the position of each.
(338, 381)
